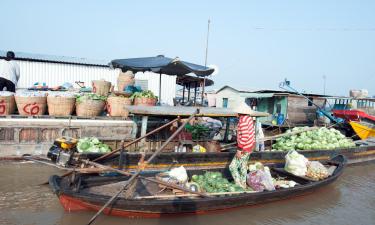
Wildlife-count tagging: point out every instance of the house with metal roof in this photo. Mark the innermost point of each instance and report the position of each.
(56, 70)
(294, 109)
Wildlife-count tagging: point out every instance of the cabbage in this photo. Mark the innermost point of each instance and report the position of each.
(319, 139)
(92, 145)
(214, 182)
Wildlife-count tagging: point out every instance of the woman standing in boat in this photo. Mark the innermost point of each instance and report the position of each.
(245, 142)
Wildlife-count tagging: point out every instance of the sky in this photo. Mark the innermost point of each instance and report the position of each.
(255, 44)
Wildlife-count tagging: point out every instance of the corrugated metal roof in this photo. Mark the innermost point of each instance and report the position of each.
(56, 59)
(265, 91)
(256, 95)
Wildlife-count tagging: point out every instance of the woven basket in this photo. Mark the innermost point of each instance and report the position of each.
(31, 106)
(116, 106)
(7, 105)
(90, 108)
(101, 87)
(60, 106)
(145, 101)
(124, 80)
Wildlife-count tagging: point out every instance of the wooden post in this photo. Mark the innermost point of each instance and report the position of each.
(143, 132)
(195, 93)
(160, 88)
(189, 92)
(227, 130)
(183, 94)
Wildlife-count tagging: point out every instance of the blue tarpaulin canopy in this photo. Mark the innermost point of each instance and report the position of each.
(161, 65)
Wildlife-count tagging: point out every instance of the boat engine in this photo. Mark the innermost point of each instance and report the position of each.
(62, 151)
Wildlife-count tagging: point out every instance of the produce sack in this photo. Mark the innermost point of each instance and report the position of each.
(199, 149)
(179, 174)
(316, 171)
(295, 163)
(260, 180)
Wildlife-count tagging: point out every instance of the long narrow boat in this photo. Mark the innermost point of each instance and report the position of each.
(88, 192)
(364, 130)
(364, 152)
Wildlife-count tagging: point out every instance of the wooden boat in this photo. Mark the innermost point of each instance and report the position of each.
(363, 152)
(353, 115)
(88, 192)
(363, 130)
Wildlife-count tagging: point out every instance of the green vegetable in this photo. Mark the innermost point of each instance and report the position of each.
(195, 178)
(213, 182)
(143, 94)
(92, 145)
(89, 96)
(320, 139)
(197, 131)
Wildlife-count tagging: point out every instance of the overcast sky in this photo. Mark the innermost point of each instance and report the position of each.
(255, 44)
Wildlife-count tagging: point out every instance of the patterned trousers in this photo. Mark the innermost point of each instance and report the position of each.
(238, 169)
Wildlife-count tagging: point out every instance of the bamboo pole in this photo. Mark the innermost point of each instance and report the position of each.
(135, 175)
(126, 145)
(136, 140)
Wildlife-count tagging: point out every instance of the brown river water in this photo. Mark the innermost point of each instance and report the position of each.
(350, 200)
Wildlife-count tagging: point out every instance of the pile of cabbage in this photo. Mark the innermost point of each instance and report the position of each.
(92, 145)
(319, 139)
(214, 182)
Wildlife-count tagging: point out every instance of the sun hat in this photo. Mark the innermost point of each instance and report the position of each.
(243, 108)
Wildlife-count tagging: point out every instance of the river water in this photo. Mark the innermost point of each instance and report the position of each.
(350, 200)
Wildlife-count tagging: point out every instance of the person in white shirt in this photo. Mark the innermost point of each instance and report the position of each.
(9, 73)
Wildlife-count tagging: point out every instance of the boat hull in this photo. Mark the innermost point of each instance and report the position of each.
(363, 131)
(154, 208)
(129, 161)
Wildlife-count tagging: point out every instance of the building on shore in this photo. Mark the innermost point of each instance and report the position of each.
(296, 110)
(56, 70)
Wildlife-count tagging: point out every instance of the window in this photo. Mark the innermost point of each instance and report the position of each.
(310, 101)
(225, 102)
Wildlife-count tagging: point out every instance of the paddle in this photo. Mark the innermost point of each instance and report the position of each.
(125, 146)
(149, 160)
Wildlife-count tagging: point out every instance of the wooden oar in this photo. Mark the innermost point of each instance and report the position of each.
(135, 175)
(126, 145)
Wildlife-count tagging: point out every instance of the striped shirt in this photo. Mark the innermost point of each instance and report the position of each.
(245, 133)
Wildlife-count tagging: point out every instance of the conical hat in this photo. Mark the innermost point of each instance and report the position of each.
(243, 108)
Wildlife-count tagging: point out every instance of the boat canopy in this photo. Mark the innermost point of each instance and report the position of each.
(161, 65)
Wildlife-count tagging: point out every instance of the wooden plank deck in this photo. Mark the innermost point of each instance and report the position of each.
(185, 111)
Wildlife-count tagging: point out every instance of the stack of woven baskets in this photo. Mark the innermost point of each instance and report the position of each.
(124, 80)
(101, 87)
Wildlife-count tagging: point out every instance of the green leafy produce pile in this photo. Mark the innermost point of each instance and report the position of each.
(143, 94)
(197, 131)
(320, 139)
(90, 96)
(92, 145)
(214, 182)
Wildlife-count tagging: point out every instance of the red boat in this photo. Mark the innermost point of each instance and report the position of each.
(353, 115)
